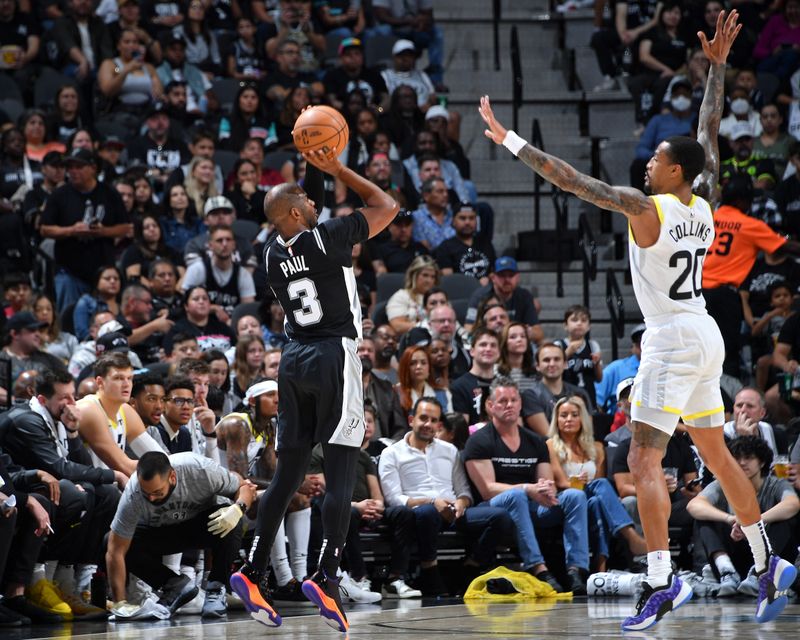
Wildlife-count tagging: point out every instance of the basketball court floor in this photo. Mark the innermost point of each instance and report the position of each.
(414, 620)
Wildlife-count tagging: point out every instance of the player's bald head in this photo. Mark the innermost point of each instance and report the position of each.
(280, 200)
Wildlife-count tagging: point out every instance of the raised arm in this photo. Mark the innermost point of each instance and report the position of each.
(626, 200)
(716, 51)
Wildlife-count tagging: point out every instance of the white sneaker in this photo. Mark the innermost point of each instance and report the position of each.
(195, 606)
(749, 586)
(608, 84)
(399, 589)
(350, 590)
(364, 584)
(728, 585)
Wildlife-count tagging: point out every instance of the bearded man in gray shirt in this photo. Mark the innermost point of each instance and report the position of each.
(173, 504)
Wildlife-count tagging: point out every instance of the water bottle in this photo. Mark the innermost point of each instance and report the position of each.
(224, 129)
(99, 589)
(627, 60)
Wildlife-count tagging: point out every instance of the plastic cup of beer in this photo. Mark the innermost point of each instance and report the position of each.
(577, 482)
(780, 467)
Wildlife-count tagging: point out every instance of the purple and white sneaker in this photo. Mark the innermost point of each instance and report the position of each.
(772, 584)
(654, 604)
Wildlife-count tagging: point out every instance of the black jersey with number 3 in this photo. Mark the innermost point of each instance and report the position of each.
(312, 277)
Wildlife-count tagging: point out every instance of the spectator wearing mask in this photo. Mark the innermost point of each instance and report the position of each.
(741, 112)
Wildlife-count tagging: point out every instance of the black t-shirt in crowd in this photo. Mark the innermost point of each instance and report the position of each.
(666, 49)
(678, 455)
(17, 31)
(790, 334)
(167, 157)
(397, 258)
(539, 399)
(519, 306)
(369, 81)
(787, 197)
(762, 276)
(510, 467)
(476, 260)
(215, 335)
(82, 257)
(12, 177)
(469, 392)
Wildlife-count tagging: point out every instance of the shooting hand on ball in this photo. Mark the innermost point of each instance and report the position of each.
(324, 162)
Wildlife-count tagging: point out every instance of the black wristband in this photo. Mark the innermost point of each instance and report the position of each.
(213, 434)
(242, 506)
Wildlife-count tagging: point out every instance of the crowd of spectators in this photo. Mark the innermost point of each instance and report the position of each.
(138, 319)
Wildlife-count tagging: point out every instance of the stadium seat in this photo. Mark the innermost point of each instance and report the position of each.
(244, 309)
(225, 160)
(458, 285)
(460, 306)
(12, 107)
(379, 314)
(276, 159)
(47, 85)
(388, 283)
(246, 229)
(378, 51)
(225, 89)
(10, 89)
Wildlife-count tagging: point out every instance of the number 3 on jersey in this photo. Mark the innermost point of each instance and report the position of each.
(306, 292)
(691, 267)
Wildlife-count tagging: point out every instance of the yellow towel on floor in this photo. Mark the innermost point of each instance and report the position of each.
(526, 585)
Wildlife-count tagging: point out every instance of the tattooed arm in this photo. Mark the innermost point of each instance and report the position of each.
(711, 110)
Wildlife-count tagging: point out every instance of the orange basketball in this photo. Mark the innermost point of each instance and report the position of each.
(323, 128)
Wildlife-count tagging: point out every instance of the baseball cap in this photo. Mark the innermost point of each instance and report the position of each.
(403, 216)
(23, 320)
(156, 108)
(217, 202)
(741, 129)
(681, 82)
(113, 326)
(349, 43)
(623, 386)
(638, 330)
(505, 263)
(53, 159)
(260, 388)
(173, 37)
(112, 141)
(79, 156)
(437, 111)
(403, 45)
(114, 341)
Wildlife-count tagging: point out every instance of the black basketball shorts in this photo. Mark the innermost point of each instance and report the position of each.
(320, 395)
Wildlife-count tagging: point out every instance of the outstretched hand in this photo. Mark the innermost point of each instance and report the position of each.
(717, 50)
(496, 131)
(324, 161)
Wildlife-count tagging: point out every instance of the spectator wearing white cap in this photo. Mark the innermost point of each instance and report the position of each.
(219, 211)
(618, 371)
(741, 111)
(623, 432)
(351, 73)
(404, 59)
(446, 125)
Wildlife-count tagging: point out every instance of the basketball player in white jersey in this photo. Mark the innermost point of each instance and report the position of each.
(682, 349)
(107, 422)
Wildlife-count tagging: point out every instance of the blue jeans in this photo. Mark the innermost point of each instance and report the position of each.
(68, 289)
(571, 510)
(491, 525)
(607, 516)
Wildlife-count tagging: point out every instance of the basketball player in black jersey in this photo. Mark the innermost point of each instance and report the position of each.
(319, 381)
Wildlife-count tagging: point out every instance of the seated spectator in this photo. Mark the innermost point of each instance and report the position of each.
(253, 150)
(127, 83)
(163, 278)
(389, 419)
(147, 397)
(272, 360)
(289, 74)
(776, 49)
(749, 410)
(351, 73)
(65, 118)
(79, 56)
(56, 342)
(584, 359)
(35, 199)
(21, 45)
(179, 222)
(662, 54)
(211, 333)
(504, 285)
(157, 149)
(184, 347)
(219, 376)
(219, 212)
(679, 472)
(294, 22)
(470, 390)
(248, 120)
(676, 122)
(148, 245)
(181, 120)
(297, 99)
(147, 330)
(176, 67)
(787, 194)
(228, 283)
(16, 293)
(516, 356)
(467, 252)
(380, 169)
(617, 371)
(16, 169)
(453, 429)
(144, 197)
(491, 315)
(171, 431)
(579, 461)
(539, 400)
(163, 16)
(247, 363)
(440, 323)
(445, 126)
(385, 338)
(200, 182)
(202, 49)
(104, 295)
(774, 142)
(342, 18)
(742, 111)
(397, 254)
(414, 20)
(519, 478)
(203, 144)
(622, 431)
(86, 353)
(433, 220)
(404, 309)
(767, 329)
(404, 119)
(245, 60)
(415, 380)
(721, 541)
(246, 197)
(271, 318)
(37, 145)
(434, 486)
(428, 149)
(130, 17)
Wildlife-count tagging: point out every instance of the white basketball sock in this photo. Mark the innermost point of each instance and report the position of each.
(759, 544)
(724, 564)
(659, 566)
(279, 560)
(298, 529)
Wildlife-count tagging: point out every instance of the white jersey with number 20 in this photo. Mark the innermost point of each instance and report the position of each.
(667, 276)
